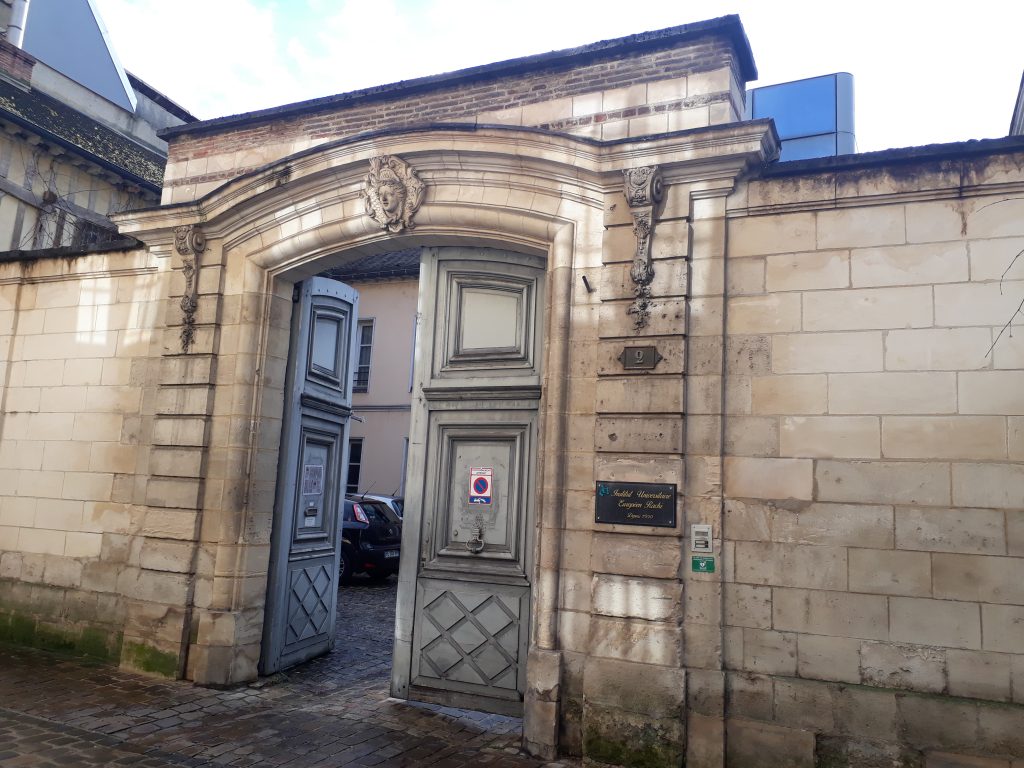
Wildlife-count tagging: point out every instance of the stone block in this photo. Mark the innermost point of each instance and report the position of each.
(650, 599)
(768, 478)
(988, 485)
(1004, 629)
(910, 264)
(177, 493)
(614, 736)
(705, 741)
(890, 572)
(705, 691)
(747, 521)
(861, 227)
(937, 723)
(745, 276)
(804, 704)
(769, 652)
(908, 667)
(166, 555)
(779, 233)
(783, 395)
(841, 437)
(650, 557)
(944, 437)
(772, 313)
(41, 542)
(883, 481)
(791, 565)
(942, 623)
(661, 434)
(979, 674)
(828, 658)
(937, 349)
(995, 392)
(867, 308)
(827, 352)
(643, 689)
(857, 525)
(950, 760)
(755, 743)
(751, 436)
(981, 578)
(635, 394)
(673, 352)
(837, 614)
(1015, 532)
(745, 356)
(866, 713)
(959, 305)
(935, 221)
(749, 695)
(636, 640)
(807, 271)
(895, 393)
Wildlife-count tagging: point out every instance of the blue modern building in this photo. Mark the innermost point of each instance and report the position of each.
(814, 117)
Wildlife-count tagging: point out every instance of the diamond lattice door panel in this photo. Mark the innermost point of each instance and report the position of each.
(471, 638)
(309, 606)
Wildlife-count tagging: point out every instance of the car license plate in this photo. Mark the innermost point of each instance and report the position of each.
(390, 554)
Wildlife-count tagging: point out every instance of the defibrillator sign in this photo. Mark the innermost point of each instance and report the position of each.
(480, 485)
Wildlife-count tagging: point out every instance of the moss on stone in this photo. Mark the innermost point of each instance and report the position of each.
(647, 748)
(25, 630)
(150, 659)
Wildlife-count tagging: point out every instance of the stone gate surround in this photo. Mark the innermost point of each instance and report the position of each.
(217, 426)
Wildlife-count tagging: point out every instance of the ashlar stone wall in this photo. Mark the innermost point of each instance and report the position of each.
(874, 528)
(76, 339)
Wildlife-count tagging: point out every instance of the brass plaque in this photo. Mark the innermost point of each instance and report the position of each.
(640, 358)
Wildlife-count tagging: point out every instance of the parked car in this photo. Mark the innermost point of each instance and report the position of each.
(371, 539)
(397, 503)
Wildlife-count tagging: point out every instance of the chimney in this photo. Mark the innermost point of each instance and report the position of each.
(16, 26)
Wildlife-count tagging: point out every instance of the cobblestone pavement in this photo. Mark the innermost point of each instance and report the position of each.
(333, 711)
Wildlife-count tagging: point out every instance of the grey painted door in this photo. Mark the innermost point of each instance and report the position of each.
(302, 588)
(464, 604)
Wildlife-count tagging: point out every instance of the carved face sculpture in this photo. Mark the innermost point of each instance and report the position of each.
(392, 198)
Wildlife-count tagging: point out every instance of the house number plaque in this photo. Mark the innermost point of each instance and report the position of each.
(640, 358)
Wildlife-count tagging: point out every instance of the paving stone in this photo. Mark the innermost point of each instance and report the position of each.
(331, 712)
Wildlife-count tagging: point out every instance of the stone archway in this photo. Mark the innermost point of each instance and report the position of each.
(216, 430)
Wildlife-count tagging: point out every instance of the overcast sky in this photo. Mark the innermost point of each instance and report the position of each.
(924, 72)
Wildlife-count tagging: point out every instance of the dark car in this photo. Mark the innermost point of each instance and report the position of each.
(371, 539)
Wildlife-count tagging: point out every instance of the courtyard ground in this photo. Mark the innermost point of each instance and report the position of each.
(332, 711)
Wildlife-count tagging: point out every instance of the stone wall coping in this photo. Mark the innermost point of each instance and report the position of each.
(728, 27)
(960, 150)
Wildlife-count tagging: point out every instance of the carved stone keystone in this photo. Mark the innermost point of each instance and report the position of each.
(643, 190)
(189, 242)
(393, 193)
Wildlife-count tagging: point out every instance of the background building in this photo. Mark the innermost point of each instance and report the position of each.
(79, 137)
(388, 287)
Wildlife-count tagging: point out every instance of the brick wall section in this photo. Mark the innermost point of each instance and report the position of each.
(15, 62)
(462, 103)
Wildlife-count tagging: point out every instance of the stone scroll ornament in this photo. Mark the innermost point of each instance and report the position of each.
(393, 193)
(189, 241)
(643, 190)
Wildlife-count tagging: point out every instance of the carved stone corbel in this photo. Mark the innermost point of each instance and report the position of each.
(190, 242)
(643, 190)
(392, 193)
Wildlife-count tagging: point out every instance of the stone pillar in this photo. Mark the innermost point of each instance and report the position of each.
(633, 677)
(160, 591)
